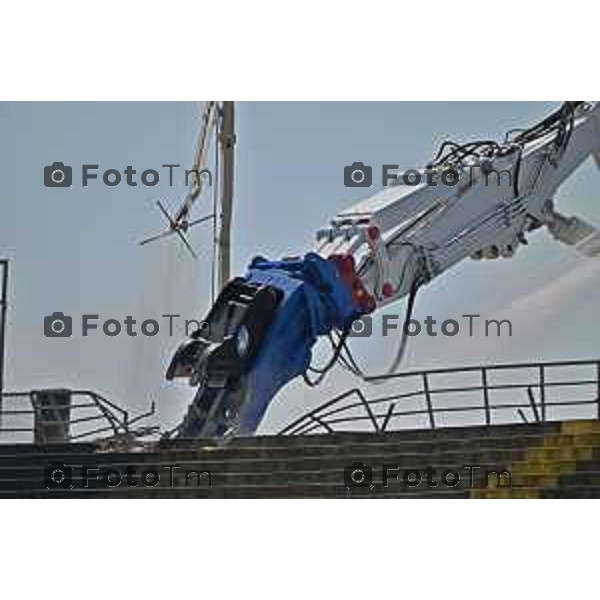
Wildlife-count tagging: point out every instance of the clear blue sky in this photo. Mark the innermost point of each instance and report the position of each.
(75, 250)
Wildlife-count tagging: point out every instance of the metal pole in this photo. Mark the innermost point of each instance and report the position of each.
(486, 396)
(598, 387)
(227, 145)
(428, 400)
(543, 392)
(3, 296)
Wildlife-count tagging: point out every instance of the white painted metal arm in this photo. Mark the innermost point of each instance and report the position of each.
(407, 232)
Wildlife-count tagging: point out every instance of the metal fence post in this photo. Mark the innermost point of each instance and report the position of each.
(428, 400)
(486, 397)
(543, 392)
(598, 387)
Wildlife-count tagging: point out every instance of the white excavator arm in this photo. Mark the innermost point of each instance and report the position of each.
(499, 196)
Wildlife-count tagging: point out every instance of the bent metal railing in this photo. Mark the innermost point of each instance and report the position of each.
(482, 395)
(83, 416)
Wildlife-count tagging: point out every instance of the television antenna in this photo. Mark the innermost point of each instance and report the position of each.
(218, 123)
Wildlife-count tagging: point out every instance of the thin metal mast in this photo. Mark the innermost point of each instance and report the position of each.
(227, 145)
(3, 302)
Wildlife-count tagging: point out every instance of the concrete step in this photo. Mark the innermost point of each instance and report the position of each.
(228, 453)
(250, 464)
(564, 456)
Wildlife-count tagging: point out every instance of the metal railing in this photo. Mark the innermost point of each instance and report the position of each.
(482, 395)
(87, 416)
